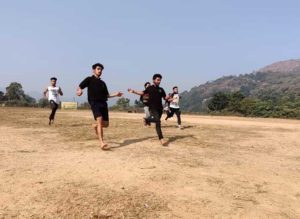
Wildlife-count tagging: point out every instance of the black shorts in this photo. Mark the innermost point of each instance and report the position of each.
(99, 109)
(53, 104)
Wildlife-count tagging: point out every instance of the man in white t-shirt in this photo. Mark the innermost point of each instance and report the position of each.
(174, 106)
(53, 97)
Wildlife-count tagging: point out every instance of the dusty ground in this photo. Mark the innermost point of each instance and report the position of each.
(217, 167)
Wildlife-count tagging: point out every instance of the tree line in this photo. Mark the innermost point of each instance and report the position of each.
(266, 104)
(15, 96)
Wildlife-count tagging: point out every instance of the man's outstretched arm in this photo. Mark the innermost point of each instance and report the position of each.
(141, 93)
(117, 94)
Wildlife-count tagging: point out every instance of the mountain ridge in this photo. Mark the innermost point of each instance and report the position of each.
(286, 66)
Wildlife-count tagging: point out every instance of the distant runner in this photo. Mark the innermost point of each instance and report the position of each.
(97, 98)
(174, 107)
(53, 97)
(167, 105)
(156, 94)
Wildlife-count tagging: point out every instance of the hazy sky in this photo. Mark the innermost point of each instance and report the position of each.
(189, 42)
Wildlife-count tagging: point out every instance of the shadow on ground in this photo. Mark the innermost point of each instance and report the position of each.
(138, 140)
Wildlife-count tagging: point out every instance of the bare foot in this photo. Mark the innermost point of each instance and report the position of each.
(164, 142)
(95, 127)
(104, 147)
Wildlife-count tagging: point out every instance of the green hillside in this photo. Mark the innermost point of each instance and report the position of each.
(267, 84)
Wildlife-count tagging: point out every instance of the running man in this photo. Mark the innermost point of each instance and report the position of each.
(156, 94)
(53, 97)
(97, 98)
(145, 99)
(174, 107)
(167, 105)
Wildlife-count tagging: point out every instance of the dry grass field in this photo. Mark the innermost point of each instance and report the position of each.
(216, 167)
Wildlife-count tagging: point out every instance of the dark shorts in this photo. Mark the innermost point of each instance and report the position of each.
(53, 104)
(99, 109)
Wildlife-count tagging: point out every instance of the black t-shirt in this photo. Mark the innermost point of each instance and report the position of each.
(97, 90)
(155, 97)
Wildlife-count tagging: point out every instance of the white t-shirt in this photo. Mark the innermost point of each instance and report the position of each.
(175, 102)
(53, 94)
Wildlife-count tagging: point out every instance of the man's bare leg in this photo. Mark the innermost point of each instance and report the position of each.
(95, 127)
(104, 125)
(100, 134)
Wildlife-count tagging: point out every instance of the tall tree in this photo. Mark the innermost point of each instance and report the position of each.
(123, 103)
(15, 91)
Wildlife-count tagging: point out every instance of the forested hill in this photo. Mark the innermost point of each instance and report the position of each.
(275, 81)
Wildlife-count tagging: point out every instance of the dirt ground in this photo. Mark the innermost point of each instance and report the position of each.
(216, 167)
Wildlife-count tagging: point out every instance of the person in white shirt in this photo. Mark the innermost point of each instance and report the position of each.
(53, 97)
(174, 106)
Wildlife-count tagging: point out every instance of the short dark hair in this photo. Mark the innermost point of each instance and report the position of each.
(157, 76)
(145, 85)
(97, 65)
(53, 78)
(175, 87)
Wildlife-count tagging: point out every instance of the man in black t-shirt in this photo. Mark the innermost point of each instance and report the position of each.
(97, 97)
(145, 100)
(156, 94)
